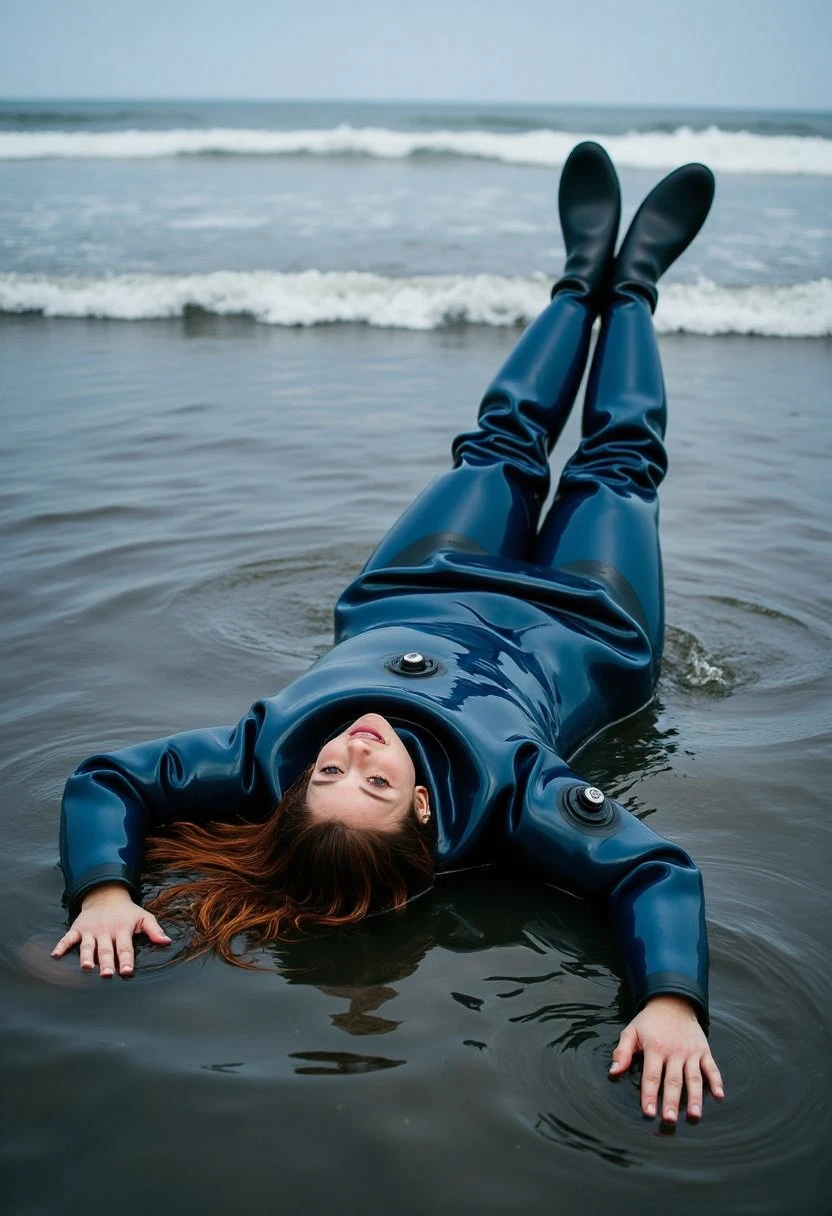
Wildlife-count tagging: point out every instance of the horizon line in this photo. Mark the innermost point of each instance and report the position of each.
(436, 101)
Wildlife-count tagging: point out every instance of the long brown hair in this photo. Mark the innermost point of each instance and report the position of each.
(268, 881)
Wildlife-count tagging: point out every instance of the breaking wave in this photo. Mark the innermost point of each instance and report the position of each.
(803, 310)
(724, 151)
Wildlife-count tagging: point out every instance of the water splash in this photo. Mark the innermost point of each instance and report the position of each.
(691, 666)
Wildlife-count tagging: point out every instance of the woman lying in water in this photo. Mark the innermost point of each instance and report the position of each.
(478, 648)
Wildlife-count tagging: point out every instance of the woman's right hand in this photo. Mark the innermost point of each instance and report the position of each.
(104, 928)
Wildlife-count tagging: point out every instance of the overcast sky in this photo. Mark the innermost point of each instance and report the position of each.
(766, 53)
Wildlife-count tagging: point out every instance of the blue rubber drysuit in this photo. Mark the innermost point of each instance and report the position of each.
(494, 646)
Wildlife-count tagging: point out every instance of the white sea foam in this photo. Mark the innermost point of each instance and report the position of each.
(416, 302)
(724, 151)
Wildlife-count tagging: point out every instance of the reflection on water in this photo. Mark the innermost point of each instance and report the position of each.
(479, 913)
(558, 1130)
(340, 1063)
(623, 758)
(357, 1018)
(162, 571)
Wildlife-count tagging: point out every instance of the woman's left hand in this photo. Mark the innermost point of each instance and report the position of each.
(668, 1033)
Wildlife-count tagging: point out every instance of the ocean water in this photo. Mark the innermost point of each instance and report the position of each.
(235, 341)
(404, 216)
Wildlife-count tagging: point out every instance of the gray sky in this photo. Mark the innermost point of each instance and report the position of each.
(768, 53)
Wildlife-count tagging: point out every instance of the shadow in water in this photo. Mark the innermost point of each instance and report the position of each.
(340, 1063)
(557, 970)
(358, 1018)
(463, 913)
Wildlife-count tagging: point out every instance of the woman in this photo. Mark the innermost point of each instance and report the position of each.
(476, 649)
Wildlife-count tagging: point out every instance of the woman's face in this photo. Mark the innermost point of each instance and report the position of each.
(365, 777)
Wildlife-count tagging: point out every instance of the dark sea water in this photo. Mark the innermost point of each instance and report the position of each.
(194, 463)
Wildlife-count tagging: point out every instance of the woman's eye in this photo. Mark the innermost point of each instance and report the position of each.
(378, 780)
(330, 768)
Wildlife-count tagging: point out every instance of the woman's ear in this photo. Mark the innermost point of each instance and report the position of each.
(421, 804)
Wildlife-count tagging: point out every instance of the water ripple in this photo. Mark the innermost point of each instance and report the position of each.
(281, 607)
(557, 1054)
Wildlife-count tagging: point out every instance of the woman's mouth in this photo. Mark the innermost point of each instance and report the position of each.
(366, 732)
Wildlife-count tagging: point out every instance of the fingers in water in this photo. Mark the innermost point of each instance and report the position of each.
(622, 1056)
(672, 1092)
(106, 958)
(153, 930)
(714, 1076)
(69, 939)
(693, 1086)
(124, 949)
(87, 952)
(650, 1081)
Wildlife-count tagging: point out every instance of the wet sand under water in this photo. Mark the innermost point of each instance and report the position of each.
(180, 504)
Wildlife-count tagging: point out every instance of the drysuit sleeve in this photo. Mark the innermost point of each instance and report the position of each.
(111, 801)
(651, 887)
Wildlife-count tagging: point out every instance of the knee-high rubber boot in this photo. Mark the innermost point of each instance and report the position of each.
(589, 206)
(661, 230)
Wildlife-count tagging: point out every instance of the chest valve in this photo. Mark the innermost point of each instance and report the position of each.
(588, 808)
(414, 663)
(591, 798)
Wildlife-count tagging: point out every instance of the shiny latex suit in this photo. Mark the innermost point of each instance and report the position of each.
(495, 643)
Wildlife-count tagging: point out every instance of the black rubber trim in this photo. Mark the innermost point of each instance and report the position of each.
(621, 588)
(98, 875)
(422, 550)
(674, 983)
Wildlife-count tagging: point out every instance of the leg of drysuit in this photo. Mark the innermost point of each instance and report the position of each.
(604, 522)
(489, 502)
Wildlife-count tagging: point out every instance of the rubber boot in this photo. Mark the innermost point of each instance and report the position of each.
(661, 230)
(589, 204)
